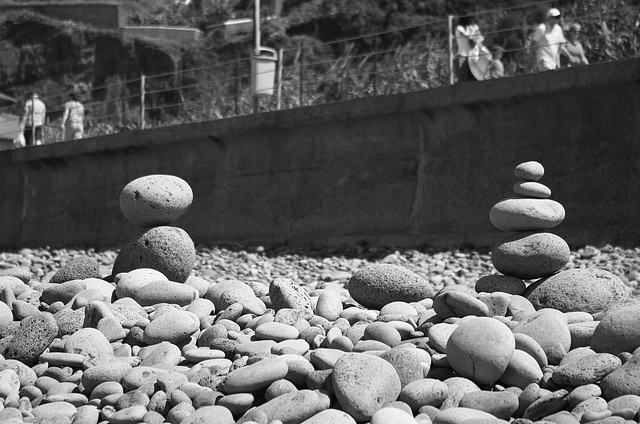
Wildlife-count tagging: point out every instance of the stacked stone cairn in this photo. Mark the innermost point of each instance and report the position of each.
(152, 343)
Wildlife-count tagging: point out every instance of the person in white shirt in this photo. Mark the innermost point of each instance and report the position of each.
(33, 120)
(548, 40)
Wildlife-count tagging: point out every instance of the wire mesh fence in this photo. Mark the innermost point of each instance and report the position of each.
(391, 62)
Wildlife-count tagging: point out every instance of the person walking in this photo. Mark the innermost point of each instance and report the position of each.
(548, 40)
(73, 119)
(573, 54)
(32, 120)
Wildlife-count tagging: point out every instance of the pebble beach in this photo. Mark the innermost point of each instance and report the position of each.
(160, 330)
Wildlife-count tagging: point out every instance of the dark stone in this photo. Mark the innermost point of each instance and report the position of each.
(77, 269)
(169, 250)
(32, 338)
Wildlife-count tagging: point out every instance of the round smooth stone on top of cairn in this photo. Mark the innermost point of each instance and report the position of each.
(155, 200)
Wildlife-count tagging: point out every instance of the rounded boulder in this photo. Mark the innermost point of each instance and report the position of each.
(588, 290)
(169, 250)
(530, 255)
(363, 384)
(33, 337)
(77, 269)
(480, 349)
(174, 326)
(618, 331)
(376, 285)
(155, 200)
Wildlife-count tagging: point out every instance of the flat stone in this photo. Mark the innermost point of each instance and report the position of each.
(226, 293)
(169, 250)
(62, 292)
(129, 283)
(529, 171)
(376, 285)
(589, 290)
(499, 404)
(255, 376)
(291, 407)
(589, 370)
(390, 414)
(547, 405)
(424, 391)
(109, 371)
(500, 283)
(166, 292)
(526, 214)
(34, 335)
(333, 416)
(87, 340)
(276, 331)
(364, 383)
(155, 200)
(531, 189)
(463, 415)
(530, 255)
(618, 331)
(174, 327)
(480, 349)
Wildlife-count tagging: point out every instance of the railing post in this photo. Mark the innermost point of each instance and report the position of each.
(279, 79)
(142, 101)
(124, 102)
(375, 66)
(237, 81)
(451, 81)
(301, 72)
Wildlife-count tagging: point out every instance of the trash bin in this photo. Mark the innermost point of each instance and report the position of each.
(263, 71)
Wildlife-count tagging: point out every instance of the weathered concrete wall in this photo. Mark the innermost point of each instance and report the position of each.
(424, 167)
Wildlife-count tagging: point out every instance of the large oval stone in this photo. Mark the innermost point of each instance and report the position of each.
(155, 200)
(364, 383)
(618, 331)
(480, 349)
(526, 214)
(169, 250)
(530, 255)
(550, 331)
(589, 290)
(255, 376)
(376, 285)
(174, 327)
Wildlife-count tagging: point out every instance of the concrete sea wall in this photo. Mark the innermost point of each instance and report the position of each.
(423, 167)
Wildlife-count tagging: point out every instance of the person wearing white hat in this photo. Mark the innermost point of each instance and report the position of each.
(548, 40)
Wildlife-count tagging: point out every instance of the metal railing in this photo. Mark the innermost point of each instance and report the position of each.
(390, 62)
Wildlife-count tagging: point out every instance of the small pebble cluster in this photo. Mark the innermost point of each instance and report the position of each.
(164, 332)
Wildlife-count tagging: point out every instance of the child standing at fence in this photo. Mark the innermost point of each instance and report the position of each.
(73, 119)
(495, 68)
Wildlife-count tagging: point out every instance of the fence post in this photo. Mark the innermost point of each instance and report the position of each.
(375, 66)
(124, 102)
(451, 49)
(237, 81)
(142, 100)
(279, 79)
(301, 72)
